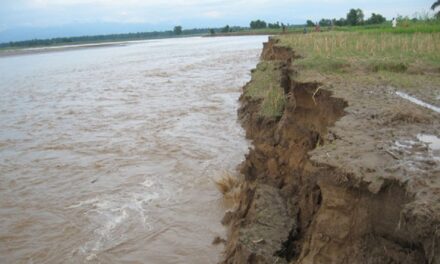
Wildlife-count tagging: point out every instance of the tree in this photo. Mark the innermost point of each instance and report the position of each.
(258, 24)
(310, 23)
(226, 29)
(325, 22)
(275, 25)
(177, 30)
(376, 19)
(212, 31)
(341, 22)
(434, 6)
(355, 17)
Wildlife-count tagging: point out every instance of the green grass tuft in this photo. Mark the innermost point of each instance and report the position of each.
(265, 86)
(389, 66)
(273, 103)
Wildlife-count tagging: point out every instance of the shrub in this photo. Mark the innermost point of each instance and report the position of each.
(375, 19)
(257, 24)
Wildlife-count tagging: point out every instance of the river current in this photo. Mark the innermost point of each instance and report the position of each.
(109, 154)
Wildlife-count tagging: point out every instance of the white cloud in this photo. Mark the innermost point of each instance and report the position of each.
(14, 13)
(126, 3)
(212, 14)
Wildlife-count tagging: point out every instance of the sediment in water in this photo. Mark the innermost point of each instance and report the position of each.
(292, 209)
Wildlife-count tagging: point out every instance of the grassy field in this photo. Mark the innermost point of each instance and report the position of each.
(407, 58)
(404, 26)
(409, 61)
(375, 48)
(344, 51)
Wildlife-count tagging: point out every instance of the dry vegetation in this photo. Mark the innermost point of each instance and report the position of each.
(227, 183)
(230, 185)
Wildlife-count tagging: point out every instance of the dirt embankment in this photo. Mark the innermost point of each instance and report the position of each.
(299, 201)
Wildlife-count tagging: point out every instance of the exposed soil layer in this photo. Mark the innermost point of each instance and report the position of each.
(328, 181)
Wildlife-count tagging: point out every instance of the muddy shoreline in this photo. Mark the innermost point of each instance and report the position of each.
(328, 180)
(61, 48)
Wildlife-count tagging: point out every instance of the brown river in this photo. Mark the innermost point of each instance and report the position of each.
(108, 154)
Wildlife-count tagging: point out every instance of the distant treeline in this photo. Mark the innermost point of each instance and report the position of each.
(104, 38)
(355, 17)
(254, 25)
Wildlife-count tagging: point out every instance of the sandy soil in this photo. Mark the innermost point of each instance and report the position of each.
(346, 175)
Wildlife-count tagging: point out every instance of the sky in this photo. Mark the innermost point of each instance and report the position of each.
(29, 19)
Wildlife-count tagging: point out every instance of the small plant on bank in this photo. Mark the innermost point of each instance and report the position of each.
(265, 86)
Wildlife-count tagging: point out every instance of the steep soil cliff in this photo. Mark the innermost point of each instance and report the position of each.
(313, 192)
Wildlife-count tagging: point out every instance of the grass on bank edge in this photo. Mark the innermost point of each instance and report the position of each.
(265, 86)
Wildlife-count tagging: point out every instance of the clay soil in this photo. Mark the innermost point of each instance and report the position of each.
(339, 177)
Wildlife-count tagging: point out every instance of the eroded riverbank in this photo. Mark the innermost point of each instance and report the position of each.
(338, 176)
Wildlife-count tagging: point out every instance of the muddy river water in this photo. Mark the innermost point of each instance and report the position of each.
(108, 155)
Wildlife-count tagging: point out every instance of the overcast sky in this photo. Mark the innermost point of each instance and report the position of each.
(46, 18)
